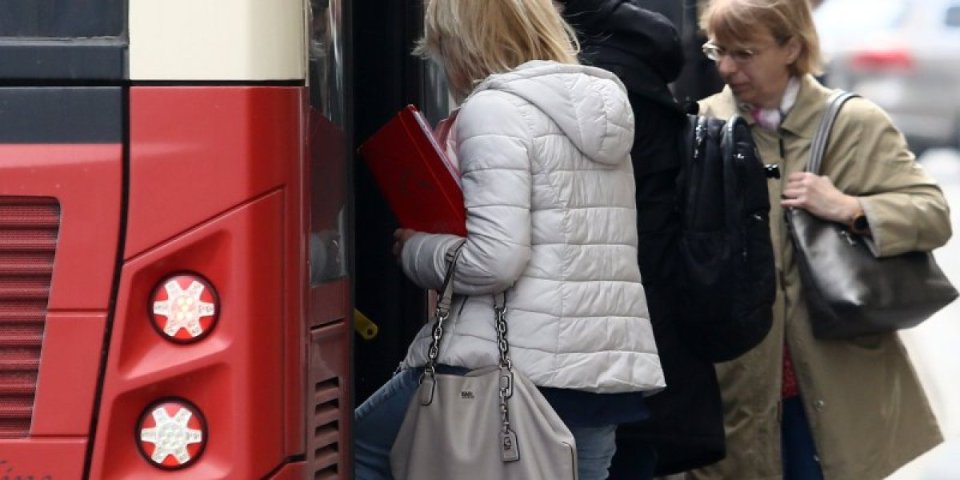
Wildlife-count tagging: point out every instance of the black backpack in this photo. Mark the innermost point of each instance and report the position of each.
(728, 276)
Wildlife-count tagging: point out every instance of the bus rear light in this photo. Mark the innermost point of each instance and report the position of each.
(185, 308)
(883, 60)
(172, 434)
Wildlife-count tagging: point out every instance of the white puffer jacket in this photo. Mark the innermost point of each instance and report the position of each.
(544, 153)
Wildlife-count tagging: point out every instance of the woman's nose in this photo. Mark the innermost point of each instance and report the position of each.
(726, 66)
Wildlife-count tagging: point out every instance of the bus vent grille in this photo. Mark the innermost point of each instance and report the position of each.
(28, 240)
(325, 449)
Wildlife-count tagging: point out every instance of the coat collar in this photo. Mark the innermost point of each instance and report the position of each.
(803, 118)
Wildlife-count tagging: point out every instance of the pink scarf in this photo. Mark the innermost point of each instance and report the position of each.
(771, 118)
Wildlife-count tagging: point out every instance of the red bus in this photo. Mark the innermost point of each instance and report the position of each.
(185, 235)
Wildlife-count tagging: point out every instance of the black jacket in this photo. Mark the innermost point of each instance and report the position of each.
(644, 50)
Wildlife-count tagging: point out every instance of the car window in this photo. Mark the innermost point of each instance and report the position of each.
(953, 16)
(853, 16)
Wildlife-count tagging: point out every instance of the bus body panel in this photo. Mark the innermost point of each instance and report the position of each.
(235, 40)
(328, 449)
(69, 368)
(234, 376)
(216, 189)
(292, 471)
(86, 180)
(61, 181)
(198, 151)
(61, 115)
(82, 59)
(43, 458)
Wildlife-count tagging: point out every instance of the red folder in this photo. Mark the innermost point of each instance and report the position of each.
(414, 175)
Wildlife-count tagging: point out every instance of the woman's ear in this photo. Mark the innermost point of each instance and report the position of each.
(793, 50)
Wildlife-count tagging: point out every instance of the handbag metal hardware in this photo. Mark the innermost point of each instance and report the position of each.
(849, 238)
(509, 449)
(474, 426)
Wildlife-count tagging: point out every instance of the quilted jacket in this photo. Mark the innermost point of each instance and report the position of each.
(548, 186)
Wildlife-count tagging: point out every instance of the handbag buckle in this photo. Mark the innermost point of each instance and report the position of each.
(506, 383)
(426, 394)
(849, 238)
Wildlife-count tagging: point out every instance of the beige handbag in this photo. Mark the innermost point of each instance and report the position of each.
(491, 423)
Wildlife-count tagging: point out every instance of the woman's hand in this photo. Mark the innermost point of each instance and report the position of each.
(817, 195)
(400, 237)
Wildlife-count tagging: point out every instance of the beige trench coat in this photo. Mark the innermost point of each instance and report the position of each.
(867, 410)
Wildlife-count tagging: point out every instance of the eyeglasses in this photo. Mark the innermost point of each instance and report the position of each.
(716, 53)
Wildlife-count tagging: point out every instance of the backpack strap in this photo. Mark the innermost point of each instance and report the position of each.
(732, 191)
(818, 145)
(729, 144)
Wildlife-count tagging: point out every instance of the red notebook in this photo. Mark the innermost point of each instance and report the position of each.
(414, 175)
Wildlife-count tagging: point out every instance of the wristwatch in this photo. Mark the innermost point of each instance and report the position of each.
(858, 223)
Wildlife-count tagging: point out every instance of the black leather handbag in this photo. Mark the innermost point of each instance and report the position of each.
(848, 290)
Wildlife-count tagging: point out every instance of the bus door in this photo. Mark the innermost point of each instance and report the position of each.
(329, 408)
(387, 78)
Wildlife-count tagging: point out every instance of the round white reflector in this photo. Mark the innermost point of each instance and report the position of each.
(185, 308)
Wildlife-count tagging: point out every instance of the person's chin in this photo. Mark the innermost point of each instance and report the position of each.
(740, 91)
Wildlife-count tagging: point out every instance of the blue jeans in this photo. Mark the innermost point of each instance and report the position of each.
(377, 422)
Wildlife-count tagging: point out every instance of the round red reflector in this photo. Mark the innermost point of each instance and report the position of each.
(185, 308)
(172, 434)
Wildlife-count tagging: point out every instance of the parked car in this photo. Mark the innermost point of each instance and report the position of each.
(902, 54)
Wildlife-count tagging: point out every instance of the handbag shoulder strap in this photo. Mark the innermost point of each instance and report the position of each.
(444, 300)
(819, 144)
(445, 297)
(500, 316)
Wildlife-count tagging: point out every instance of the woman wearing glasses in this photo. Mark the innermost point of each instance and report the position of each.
(795, 405)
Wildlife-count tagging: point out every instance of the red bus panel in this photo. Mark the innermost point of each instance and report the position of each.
(80, 186)
(216, 190)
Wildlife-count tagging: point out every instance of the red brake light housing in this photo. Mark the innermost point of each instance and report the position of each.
(897, 59)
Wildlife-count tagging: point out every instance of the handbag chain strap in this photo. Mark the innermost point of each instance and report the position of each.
(508, 439)
(442, 312)
(500, 315)
(819, 144)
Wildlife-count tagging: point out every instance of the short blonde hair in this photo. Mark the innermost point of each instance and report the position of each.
(472, 39)
(735, 22)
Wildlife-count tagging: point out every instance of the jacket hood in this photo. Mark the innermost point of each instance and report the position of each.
(622, 32)
(589, 105)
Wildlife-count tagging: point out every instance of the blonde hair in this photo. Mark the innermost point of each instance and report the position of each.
(472, 39)
(735, 22)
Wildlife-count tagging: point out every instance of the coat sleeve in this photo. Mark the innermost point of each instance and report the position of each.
(494, 147)
(869, 157)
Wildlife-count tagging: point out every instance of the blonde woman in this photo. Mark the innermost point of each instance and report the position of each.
(796, 405)
(542, 144)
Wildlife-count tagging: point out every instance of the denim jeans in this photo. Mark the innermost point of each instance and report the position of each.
(377, 422)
